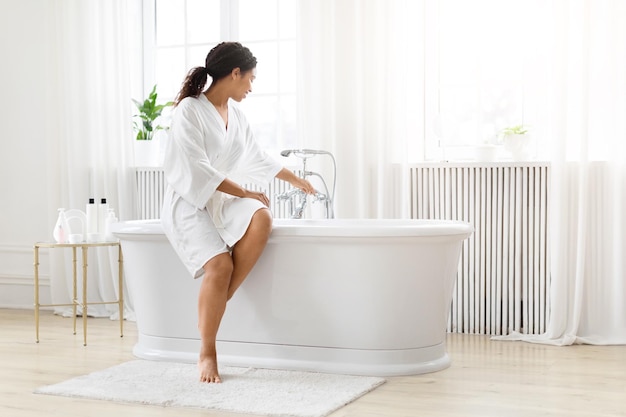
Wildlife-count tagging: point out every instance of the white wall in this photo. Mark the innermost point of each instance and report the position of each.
(31, 157)
(27, 135)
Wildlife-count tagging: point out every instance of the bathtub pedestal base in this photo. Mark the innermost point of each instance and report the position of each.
(300, 358)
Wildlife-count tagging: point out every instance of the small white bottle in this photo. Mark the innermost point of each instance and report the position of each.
(103, 209)
(111, 218)
(61, 230)
(91, 212)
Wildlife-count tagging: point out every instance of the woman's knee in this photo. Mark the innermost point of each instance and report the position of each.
(262, 221)
(219, 267)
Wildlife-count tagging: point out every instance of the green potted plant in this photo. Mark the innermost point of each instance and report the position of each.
(516, 141)
(515, 130)
(149, 112)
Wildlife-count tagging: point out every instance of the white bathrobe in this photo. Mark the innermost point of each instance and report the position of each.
(201, 152)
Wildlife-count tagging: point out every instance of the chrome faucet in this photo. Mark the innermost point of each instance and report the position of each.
(296, 198)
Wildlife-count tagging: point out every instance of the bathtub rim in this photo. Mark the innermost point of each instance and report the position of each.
(326, 227)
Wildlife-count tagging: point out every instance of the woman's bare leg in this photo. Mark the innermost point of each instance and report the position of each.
(223, 274)
(248, 250)
(211, 306)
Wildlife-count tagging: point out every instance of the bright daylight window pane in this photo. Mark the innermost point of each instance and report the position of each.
(261, 113)
(287, 19)
(288, 132)
(170, 18)
(203, 21)
(266, 54)
(258, 20)
(288, 69)
(170, 71)
(480, 69)
(196, 55)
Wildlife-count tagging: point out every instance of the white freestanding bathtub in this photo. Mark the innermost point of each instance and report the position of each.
(362, 297)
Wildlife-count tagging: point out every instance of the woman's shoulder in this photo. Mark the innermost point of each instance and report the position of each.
(188, 110)
(188, 102)
(189, 106)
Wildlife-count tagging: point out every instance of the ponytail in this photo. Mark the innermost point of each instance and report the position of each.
(193, 85)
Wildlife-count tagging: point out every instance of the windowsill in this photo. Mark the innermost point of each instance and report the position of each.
(475, 163)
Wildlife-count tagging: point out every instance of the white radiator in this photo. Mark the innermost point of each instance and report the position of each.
(151, 187)
(503, 278)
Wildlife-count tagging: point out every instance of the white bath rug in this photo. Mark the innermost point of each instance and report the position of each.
(243, 390)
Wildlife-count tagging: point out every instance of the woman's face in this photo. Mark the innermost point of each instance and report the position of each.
(243, 84)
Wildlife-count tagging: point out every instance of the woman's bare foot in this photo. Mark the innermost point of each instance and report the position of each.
(207, 365)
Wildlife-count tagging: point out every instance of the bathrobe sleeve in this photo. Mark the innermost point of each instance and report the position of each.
(256, 166)
(187, 167)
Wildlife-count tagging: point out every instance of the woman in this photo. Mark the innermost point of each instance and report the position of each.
(218, 228)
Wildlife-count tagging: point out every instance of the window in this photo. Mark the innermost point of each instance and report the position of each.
(483, 65)
(483, 72)
(185, 30)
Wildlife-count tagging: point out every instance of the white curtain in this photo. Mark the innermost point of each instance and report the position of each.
(587, 98)
(91, 153)
(588, 291)
(358, 68)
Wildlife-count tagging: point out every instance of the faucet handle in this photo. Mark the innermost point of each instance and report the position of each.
(288, 194)
(320, 196)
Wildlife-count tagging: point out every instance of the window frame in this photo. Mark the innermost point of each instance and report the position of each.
(229, 31)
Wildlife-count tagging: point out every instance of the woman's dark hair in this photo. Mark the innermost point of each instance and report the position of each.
(219, 63)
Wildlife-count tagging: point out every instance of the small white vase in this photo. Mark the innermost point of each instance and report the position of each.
(486, 153)
(518, 146)
(146, 153)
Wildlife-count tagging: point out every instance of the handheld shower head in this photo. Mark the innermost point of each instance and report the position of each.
(314, 151)
(303, 153)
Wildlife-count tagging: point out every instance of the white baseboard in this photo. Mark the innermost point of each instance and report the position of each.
(18, 292)
(16, 277)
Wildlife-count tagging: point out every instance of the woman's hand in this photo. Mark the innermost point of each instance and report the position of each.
(229, 187)
(288, 175)
(257, 195)
(303, 184)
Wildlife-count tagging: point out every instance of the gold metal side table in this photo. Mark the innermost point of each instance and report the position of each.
(75, 301)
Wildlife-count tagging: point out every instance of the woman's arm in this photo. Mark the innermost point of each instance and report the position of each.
(230, 187)
(288, 175)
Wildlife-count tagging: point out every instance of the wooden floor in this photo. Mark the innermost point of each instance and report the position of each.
(487, 378)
